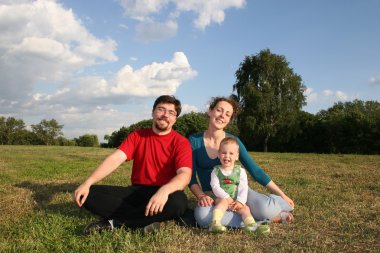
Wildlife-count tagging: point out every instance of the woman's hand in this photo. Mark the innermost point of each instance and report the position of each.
(235, 206)
(289, 200)
(205, 200)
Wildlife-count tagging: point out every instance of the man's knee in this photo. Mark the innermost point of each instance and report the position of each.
(177, 203)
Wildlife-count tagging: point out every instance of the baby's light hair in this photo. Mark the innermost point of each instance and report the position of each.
(229, 140)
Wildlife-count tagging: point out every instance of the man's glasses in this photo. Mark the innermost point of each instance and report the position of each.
(163, 110)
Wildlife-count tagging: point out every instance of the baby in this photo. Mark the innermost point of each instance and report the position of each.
(229, 184)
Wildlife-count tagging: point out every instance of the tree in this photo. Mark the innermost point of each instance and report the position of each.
(352, 127)
(270, 94)
(87, 140)
(48, 131)
(11, 131)
(191, 123)
(117, 137)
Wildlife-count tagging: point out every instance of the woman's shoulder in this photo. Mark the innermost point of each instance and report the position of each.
(196, 140)
(196, 137)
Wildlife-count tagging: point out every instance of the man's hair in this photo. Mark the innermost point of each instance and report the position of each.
(235, 105)
(229, 140)
(166, 99)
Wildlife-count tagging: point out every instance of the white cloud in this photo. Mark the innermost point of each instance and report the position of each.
(337, 95)
(325, 99)
(147, 12)
(375, 80)
(155, 31)
(189, 108)
(149, 81)
(212, 11)
(142, 9)
(311, 96)
(328, 93)
(99, 121)
(341, 95)
(154, 79)
(42, 41)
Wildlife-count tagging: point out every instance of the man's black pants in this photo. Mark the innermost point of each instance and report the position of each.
(127, 204)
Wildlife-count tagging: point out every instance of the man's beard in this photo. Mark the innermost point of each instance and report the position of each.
(160, 127)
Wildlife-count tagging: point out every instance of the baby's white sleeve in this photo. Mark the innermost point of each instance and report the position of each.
(242, 187)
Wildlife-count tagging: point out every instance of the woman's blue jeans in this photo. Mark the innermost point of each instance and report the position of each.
(263, 208)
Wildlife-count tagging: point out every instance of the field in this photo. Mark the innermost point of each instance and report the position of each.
(337, 201)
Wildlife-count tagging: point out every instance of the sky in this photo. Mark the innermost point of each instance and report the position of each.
(98, 65)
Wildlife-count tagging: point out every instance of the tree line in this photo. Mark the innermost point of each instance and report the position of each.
(48, 132)
(271, 96)
(350, 127)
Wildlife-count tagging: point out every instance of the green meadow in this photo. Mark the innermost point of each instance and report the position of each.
(337, 201)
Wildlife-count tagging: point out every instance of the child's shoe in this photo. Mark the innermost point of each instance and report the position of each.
(257, 229)
(217, 229)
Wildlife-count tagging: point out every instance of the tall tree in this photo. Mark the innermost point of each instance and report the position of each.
(11, 130)
(270, 94)
(48, 131)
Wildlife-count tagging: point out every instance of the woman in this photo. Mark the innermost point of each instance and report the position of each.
(275, 207)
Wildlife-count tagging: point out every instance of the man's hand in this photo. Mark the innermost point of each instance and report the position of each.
(157, 202)
(81, 193)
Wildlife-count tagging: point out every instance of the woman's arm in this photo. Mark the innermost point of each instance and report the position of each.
(203, 198)
(254, 170)
(259, 175)
(273, 188)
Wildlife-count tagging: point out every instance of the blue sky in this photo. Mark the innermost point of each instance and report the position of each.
(95, 66)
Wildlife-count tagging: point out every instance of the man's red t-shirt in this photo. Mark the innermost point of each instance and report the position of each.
(156, 158)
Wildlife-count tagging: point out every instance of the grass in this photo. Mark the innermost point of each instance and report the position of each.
(337, 201)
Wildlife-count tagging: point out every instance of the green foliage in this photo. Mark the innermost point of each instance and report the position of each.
(62, 141)
(48, 131)
(191, 123)
(11, 131)
(117, 137)
(270, 94)
(350, 127)
(87, 140)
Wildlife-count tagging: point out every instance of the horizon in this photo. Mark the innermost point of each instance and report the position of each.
(95, 67)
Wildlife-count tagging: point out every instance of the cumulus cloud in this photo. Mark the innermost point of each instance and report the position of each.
(149, 81)
(148, 12)
(155, 31)
(186, 108)
(42, 41)
(208, 12)
(375, 80)
(318, 100)
(43, 44)
(337, 95)
(311, 96)
(153, 79)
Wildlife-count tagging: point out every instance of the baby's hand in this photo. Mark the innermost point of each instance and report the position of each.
(236, 206)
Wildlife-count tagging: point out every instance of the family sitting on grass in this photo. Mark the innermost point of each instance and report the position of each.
(165, 162)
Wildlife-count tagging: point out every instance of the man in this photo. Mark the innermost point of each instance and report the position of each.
(162, 162)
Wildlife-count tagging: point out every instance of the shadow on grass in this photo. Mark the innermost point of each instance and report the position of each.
(44, 193)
